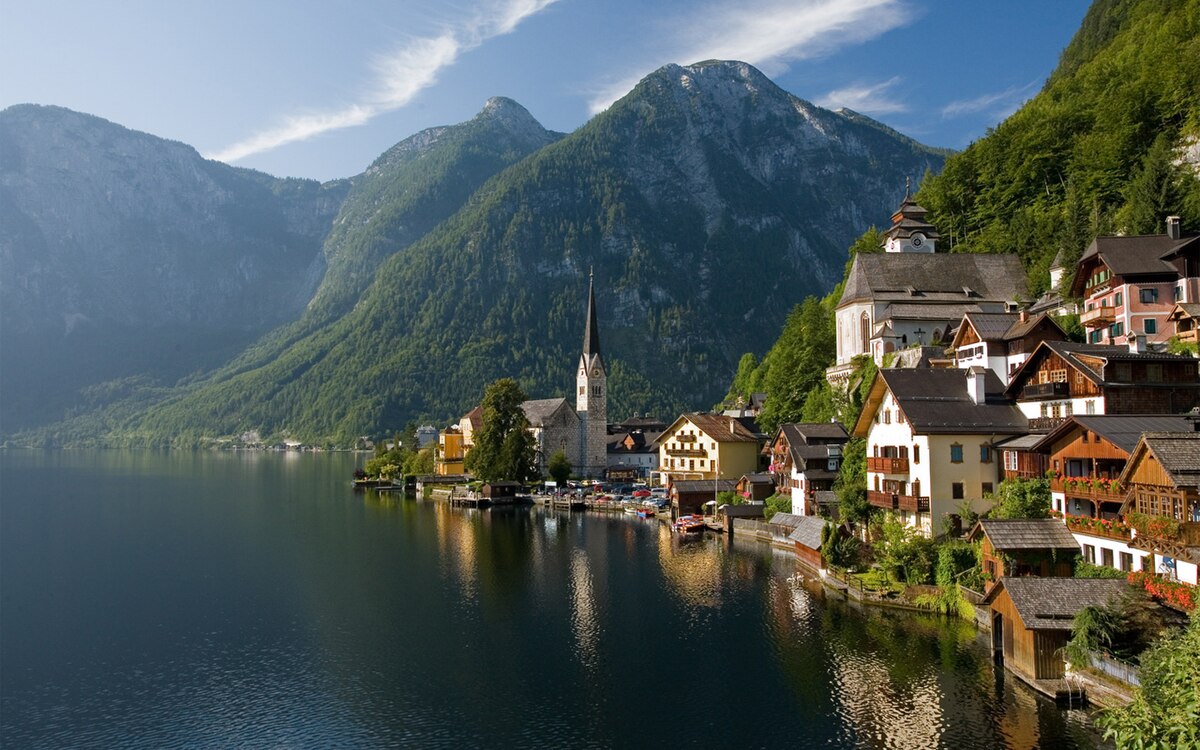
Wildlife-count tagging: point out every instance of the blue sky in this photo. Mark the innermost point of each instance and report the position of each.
(319, 89)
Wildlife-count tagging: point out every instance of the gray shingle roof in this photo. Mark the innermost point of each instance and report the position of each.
(936, 400)
(1131, 256)
(1028, 534)
(949, 312)
(1121, 430)
(941, 276)
(787, 519)
(538, 410)
(1052, 603)
(1179, 455)
(808, 531)
(992, 326)
(688, 486)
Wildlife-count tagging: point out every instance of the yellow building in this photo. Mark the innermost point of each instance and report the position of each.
(706, 446)
(450, 453)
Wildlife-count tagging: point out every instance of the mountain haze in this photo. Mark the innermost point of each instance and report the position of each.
(124, 255)
(708, 202)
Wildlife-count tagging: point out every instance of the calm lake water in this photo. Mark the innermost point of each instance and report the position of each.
(185, 599)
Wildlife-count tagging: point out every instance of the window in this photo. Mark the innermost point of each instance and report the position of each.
(1090, 406)
(864, 330)
(1150, 325)
(987, 489)
(1116, 329)
(1154, 373)
(1096, 336)
(916, 454)
(1089, 554)
(985, 454)
(956, 453)
(956, 490)
(1010, 460)
(1148, 296)
(1178, 293)
(1106, 557)
(1126, 561)
(887, 416)
(1117, 299)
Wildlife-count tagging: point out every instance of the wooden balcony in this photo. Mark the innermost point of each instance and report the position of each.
(1082, 487)
(686, 453)
(1041, 391)
(1092, 527)
(1045, 424)
(1097, 317)
(1188, 337)
(890, 501)
(885, 465)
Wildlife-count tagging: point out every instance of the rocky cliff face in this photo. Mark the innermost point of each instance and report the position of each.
(124, 253)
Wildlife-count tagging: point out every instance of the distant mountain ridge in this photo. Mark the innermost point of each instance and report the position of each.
(708, 201)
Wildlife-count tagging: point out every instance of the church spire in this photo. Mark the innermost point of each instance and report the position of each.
(591, 331)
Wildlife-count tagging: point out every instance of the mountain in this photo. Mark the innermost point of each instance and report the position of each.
(1110, 144)
(707, 201)
(128, 256)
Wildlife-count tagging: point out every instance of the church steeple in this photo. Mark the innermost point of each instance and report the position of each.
(910, 232)
(591, 330)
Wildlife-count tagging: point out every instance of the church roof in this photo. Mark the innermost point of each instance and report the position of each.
(934, 278)
(537, 411)
(591, 330)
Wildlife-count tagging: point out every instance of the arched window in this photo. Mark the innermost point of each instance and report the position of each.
(864, 325)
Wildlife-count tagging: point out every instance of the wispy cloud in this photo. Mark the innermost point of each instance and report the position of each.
(398, 77)
(1000, 104)
(768, 34)
(869, 99)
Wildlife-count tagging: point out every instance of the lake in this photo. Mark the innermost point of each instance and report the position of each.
(205, 599)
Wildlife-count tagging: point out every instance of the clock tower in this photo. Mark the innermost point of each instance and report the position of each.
(910, 233)
(591, 397)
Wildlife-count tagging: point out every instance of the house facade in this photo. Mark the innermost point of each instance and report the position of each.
(1001, 342)
(450, 453)
(1024, 547)
(1130, 284)
(930, 442)
(1163, 477)
(702, 446)
(805, 458)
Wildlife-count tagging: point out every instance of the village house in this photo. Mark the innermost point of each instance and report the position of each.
(1024, 547)
(755, 488)
(1032, 619)
(1185, 319)
(706, 446)
(1163, 477)
(1001, 342)
(907, 295)
(631, 453)
(1052, 302)
(450, 453)
(692, 496)
(805, 458)
(1130, 285)
(1087, 456)
(930, 436)
(1063, 378)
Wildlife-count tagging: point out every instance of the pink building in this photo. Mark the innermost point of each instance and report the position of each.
(1130, 285)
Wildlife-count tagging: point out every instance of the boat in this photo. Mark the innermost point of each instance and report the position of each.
(632, 510)
(689, 525)
(645, 512)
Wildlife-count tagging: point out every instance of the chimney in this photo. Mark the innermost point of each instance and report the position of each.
(1173, 227)
(1137, 343)
(1024, 316)
(976, 376)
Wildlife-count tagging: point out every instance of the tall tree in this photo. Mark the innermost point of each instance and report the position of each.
(504, 448)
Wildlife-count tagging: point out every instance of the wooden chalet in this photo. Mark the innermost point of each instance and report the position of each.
(1063, 378)
(1031, 621)
(804, 458)
(1020, 457)
(806, 539)
(1163, 477)
(756, 487)
(1185, 317)
(1001, 341)
(500, 490)
(1024, 547)
(690, 495)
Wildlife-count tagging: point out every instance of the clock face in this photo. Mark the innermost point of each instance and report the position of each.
(917, 240)
(596, 373)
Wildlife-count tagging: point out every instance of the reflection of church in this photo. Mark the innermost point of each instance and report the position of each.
(910, 295)
(581, 433)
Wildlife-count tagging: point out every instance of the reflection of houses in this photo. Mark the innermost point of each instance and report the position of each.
(1001, 342)
(1063, 378)
(804, 458)
(1163, 477)
(1032, 618)
(703, 446)
(930, 436)
(1130, 284)
(908, 295)
(1024, 547)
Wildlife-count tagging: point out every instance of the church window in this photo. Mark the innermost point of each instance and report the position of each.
(582, 390)
(864, 325)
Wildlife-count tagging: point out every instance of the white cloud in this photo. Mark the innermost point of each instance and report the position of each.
(769, 34)
(1000, 103)
(399, 77)
(869, 99)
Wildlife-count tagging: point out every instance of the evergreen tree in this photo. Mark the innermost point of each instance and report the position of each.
(559, 467)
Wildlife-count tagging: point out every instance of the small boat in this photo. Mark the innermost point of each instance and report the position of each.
(632, 510)
(645, 512)
(689, 525)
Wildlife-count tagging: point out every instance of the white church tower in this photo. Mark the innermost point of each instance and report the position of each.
(591, 399)
(910, 233)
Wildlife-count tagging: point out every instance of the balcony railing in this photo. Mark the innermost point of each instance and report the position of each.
(1035, 391)
(1188, 337)
(891, 501)
(1099, 527)
(1083, 487)
(1097, 316)
(885, 465)
(687, 453)
(1039, 424)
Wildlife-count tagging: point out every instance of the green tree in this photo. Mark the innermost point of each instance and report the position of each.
(776, 504)
(1165, 713)
(797, 362)
(851, 482)
(904, 552)
(504, 448)
(1022, 498)
(559, 467)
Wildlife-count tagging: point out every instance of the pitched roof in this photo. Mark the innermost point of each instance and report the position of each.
(1071, 352)
(791, 520)
(1179, 455)
(1052, 603)
(1121, 430)
(799, 434)
(1027, 533)
(1189, 309)
(537, 411)
(992, 326)
(688, 486)
(935, 400)
(1140, 255)
(719, 428)
(759, 478)
(926, 311)
(1020, 442)
(934, 277)
(808, 531)
(474, 417)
